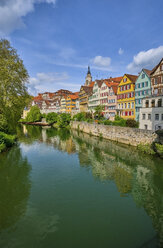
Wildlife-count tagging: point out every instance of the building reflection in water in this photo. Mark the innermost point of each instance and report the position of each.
(133, 172)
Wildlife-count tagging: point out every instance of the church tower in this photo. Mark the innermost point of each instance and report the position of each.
(88, 79)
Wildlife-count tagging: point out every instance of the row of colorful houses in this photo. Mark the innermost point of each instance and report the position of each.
(125, 96)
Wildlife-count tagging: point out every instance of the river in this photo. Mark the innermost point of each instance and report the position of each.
(65, 189)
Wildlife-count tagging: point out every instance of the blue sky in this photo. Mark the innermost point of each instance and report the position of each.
(58, 39)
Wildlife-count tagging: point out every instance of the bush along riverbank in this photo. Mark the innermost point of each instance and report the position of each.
(6, 141)
(35, 117)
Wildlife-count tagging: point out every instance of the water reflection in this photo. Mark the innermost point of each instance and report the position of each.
(133, 173)
(14, 187)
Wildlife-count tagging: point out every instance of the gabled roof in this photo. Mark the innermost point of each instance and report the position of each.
(74, 97)
(115, 79)
(155, 68)
(99, 82)
(148, 72)
(87, 89)
(132, 77)
(91, 84)
(115, 88)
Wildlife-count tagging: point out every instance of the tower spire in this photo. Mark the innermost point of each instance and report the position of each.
(89, 72)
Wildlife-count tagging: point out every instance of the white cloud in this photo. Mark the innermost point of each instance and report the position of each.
(50, 82)
(12, 11)
(120, 51)
(146, 59)
(101, 61)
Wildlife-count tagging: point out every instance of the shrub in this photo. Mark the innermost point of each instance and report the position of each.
(159, 149)
(63, 120)
(52, 118)
(108, 122)
(6, 140)
(34, 114)
(121, 123)
(118, 118)
(146, 148)
(3, 124)
(131, 123)
(2, 147)
(80, 117)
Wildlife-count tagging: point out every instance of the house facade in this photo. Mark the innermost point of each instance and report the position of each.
(126, 97)
(94, 98)
(157, 79)
(142, 89)
(71, 103)
(63, 104)
(151, 113)
(112, 101)
(85, 92)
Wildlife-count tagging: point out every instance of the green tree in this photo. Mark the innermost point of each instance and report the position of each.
(64, 120)
(98, 111)
(13, 91)
(34, 114)
(51, 118)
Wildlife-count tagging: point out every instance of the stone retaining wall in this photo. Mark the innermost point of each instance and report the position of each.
(126, 135)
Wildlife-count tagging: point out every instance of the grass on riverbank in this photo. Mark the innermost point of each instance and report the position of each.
(6, 141)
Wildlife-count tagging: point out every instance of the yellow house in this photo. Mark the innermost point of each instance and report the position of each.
(71, 103)
(126, 97)
(63, 104)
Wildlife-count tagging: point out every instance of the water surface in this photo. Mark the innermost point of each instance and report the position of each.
(69, 190)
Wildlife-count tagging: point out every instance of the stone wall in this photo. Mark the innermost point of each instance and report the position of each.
(126, 135)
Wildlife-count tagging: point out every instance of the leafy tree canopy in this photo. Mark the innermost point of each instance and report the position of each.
(34, 114)
(13, 92)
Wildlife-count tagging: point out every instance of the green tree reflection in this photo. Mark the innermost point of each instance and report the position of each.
(14, 187)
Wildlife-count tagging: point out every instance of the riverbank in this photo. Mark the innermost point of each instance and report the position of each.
(125, 135)
(6, 141)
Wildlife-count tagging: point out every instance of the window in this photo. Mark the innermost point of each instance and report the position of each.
(128, 105)
(153, 103)
(143, 75)
(143, 92)
(161, 67)
(125, 105)
(132, 113)
(146, 127)
(132, 104)
(125, 80)
(147, 104)
(143, 116)
(143, 85)
(146, 84)
(156, 81)
(156, 117)
(159, 102)
(138, 85)
(149, 116)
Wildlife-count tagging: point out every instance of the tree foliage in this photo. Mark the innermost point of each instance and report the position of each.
(98, 111)
(64, 120)
(13, 77)
(34, 114)
(51, 118)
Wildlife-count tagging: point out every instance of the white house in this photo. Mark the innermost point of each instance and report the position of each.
(151, 113)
